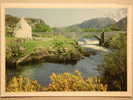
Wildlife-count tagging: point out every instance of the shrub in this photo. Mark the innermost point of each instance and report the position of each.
(74, 82)
(41, 28)
(22, 84)
(60, 47)
(114, 42)
(59, 82)
(118, 41)
(14, 50)
(114, 68)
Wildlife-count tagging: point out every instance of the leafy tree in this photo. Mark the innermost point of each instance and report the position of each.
(41, 28)
(114, 68)
(118, 41)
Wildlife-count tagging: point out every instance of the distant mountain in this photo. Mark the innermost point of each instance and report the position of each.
(37, 25)
(95, 23)
(120, 25)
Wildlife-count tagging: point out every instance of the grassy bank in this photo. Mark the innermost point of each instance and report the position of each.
(53, 49)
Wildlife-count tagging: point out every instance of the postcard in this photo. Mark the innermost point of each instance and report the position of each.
(66, 50)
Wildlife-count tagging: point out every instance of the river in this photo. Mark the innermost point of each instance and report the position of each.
(41, 72)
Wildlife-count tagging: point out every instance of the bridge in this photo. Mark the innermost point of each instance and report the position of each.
(92, 45)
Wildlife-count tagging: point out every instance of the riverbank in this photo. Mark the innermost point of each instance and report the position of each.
(41, 71)
(57, 49)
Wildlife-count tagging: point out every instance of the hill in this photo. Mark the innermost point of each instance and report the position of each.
(95, 23)
(120, 25)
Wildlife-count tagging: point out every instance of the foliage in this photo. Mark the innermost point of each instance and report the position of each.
(114, 41)
(22, 84)
(9, 30)
(10, 22)
(59, 82)
(54, 42)
(44, 34)
(74, 82)
(55, 49)
(107, 29)
(37, 25)
(118, 41)
(114, 67)
(114, 27)
(14, 48)
(16, 44)
(41, 28)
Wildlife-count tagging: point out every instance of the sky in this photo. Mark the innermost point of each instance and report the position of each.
(61, 17)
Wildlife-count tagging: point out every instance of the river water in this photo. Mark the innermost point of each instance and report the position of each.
(41, 72)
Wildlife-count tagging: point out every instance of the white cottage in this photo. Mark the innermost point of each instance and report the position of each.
(23, 29)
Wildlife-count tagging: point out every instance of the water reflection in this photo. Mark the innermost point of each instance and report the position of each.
(41, 72)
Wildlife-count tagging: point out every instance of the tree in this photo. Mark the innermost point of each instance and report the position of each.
(114, 68)
(101, 39)
(42, 28)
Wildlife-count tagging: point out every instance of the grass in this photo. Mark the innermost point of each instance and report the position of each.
(56, 49)
(57, 41)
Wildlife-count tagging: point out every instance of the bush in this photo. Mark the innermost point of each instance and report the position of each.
(118, 41)
(59, 48)
(14, 50)
(114, 68)
(114, 42)
(74, 82)
(114, 28)
(22, 84)
(59, 82)
(41, 28)
(9, 31)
